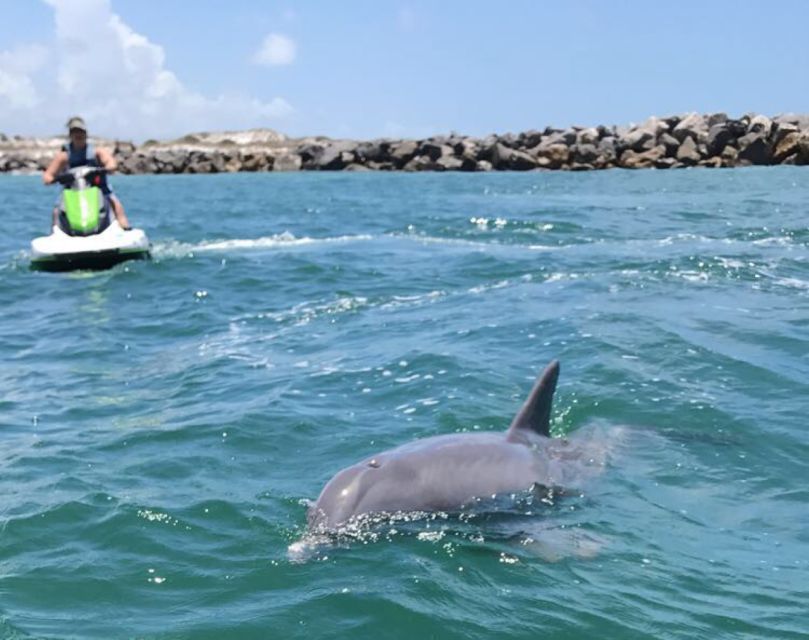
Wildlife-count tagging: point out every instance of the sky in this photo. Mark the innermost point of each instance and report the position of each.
(140, 69)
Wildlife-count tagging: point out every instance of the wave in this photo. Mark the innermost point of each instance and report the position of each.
(174, 249)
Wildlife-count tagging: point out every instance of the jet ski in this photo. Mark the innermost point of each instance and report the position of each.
(87, 235)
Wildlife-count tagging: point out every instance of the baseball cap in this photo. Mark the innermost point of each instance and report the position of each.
(76, 123)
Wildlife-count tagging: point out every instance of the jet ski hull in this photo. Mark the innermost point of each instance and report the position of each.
(61, 252)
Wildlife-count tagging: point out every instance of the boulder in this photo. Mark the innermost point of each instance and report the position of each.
(503, 157)
(761, 125)
(373, 151)
(550, 156)
(434, 149)
(218, 163)
(335, 156)
(287, 161)
(694, 126)
(634, 160)
(671, 143)
(754, 149)
(402, 152)
(356, 167)
(483, 165)
(638, 140)
(711, 163)
(528, 139)
(666, 163)
(587, 136)
(786, 146)
(419, 163)
(688, 152)
(729, 156)
(780, 131)
(719, 135)
(449, 163)
(137, 163)
(584, 153)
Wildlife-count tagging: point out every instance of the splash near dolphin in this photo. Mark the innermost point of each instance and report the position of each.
(450, 472)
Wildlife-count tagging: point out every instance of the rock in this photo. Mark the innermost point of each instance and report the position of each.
(138, 163)
(373, 151)
(633, 160)
(729, 156)
(761, 125)
(687, 153)
(666, 163)
(585, 153)
(671, 143)
(466, 149)
(449, 163)
(693, 125)
(587, 136)
(711, 163)
(419, 163)
(218, 163)
(719, 135)
(256, 161)
(787, 145)
(781, 131)
(503, 157)
(434, 149)
(802, 155)
(287, 162)
(483, 165)
(335, 156)
(527, 139)
(800, 121)
(550, 156)
(310, 154)
(754, 149)
(356, 167)
(638, 140)
(402, 152)
(607, 153)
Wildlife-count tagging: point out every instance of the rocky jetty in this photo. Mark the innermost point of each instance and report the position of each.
(712, 140)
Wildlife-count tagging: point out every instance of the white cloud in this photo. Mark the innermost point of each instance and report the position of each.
(116, 79)
(275, 50)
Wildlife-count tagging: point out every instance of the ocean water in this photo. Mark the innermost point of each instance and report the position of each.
(164, 424)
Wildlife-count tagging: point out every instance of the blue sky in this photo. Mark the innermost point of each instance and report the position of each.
(364, 69)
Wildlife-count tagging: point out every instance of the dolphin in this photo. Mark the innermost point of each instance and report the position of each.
(450, 472)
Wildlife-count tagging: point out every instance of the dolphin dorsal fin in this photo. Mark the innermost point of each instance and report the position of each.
(535, 413)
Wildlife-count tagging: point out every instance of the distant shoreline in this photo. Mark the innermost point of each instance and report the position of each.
(702, 140)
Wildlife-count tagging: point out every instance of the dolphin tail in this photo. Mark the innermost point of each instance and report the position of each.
(535, 413)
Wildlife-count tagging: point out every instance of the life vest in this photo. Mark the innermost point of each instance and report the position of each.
(80, 157)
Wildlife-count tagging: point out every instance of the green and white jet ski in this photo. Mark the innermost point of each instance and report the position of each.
(87, 235)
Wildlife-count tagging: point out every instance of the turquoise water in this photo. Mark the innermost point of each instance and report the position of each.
(164, 424)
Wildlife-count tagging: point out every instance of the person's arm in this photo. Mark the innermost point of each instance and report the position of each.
(107, 160)
(54, 168)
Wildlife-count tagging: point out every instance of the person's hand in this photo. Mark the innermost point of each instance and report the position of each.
(47, 178)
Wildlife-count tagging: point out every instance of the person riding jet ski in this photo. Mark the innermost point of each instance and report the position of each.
(79, 153)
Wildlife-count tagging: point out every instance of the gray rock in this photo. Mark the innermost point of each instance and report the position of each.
(587, 136)
(550, 156)
(688, 152)
(666, 163)
(788, 145)
(781, 130)
(670, 143)
(719, 135)
(638, 140)
(335, 156)
(373, 151)
(434, 149)
(799, 120)
(711, 163)
(585, 153)
(693, 125)
(754, 149)
(419, 163)
(715, 119)
(528, 139)
(449, 163)
(729, 156)
(761, 125)
(483, 165)
(287, 162)
(633, 160)
(356, 167)
(503, 157)
(403, 152)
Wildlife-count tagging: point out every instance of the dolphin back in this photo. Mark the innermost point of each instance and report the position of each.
(535, 413)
